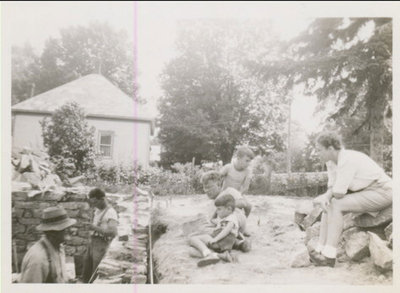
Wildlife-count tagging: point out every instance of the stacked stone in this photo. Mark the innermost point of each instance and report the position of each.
(126, 260)
(364, 235)
(27, 212)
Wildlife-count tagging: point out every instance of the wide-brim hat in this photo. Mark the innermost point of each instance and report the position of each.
(55, 219)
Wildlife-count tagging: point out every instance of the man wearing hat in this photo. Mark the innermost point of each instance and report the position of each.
(45, 260)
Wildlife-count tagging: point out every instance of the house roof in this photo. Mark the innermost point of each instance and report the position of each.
(94, 93)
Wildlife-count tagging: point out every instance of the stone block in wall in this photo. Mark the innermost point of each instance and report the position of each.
(73, 213)
(28, 236)
(76, 240)
(53, 195)
(139, 279)
(29, 221)
(83, 233)
(69, 205)
(28, 213)
(17, 212)
(18, 228)
(85, 214)
(27, 204)
(17, 186)
(19, 195)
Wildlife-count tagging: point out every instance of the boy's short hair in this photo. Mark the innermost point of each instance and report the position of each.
(97, 193)
(244, 151)
(330, 138)
(210, 176)
(225, 200)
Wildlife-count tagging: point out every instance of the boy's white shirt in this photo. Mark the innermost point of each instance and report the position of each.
(231, 218)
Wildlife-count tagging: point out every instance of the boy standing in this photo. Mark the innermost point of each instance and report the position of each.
(237, 174)
(224, 235)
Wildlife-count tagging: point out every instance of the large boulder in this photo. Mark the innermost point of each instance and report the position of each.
(369, 221)
(388, 234)
(313, 217)
(357, 246)
(381, 255)
(301, 260)
(302, 210)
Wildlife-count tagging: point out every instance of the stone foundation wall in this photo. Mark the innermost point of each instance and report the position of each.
(126, 260)
(27, 212)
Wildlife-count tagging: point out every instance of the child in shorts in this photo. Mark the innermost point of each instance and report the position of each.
(213, 247)
(238, 174)
(211, 185)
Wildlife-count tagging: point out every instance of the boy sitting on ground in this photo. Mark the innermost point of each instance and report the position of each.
(219, 244)
(211, 185)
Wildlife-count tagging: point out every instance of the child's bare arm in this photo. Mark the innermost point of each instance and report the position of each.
(227, 229)
(246, 184)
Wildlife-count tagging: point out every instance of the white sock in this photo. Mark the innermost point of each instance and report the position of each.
(206, 252)
(329, 251)
(319, 247)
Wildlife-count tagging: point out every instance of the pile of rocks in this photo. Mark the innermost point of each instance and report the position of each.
(32, 171)
(126, 260)
(364, 235)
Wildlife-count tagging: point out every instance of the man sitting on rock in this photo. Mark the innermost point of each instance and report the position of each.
(348, 170)
(219, 244)
(211, 185)
(103, 228)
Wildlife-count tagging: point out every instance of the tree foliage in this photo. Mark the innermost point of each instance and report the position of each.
(25, 69)
(347, 64)
(211, 103)
(69, 140)
(79, 51)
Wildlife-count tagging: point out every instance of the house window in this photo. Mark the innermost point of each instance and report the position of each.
(106, 143)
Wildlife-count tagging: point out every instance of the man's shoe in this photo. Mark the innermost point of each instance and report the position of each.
(208, 260)
(322, 261)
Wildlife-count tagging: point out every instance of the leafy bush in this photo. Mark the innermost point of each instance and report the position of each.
(69, 140)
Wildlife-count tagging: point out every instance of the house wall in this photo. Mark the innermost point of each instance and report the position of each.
(131, 140)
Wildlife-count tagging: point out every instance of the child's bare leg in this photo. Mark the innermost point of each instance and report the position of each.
(199, 242)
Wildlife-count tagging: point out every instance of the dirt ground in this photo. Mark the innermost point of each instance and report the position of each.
(276, 241)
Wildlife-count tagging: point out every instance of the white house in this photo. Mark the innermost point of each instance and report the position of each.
(122, 127)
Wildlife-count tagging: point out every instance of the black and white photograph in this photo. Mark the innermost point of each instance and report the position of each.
(226, 144)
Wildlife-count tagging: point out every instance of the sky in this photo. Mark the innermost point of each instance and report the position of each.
(155, 29)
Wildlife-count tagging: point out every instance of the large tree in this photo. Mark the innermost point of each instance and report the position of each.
(347, 64)
(25, 67)
(82, 50)
(210, 103)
